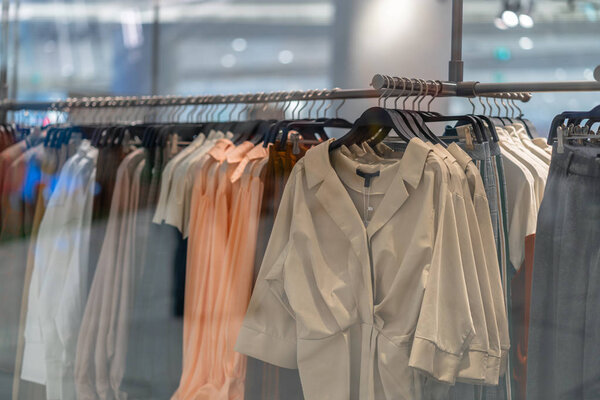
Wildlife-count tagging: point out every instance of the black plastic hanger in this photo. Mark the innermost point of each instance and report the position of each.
(371, 124)
(571, 117)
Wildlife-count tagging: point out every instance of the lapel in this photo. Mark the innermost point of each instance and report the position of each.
(337, 203)
(391, 202)
(409, 173)
(334, 198)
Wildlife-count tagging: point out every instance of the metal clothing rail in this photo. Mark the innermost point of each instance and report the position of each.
(502, 90)
(383, 87)
(255, 98)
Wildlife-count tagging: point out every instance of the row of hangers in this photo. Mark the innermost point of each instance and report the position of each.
(153, 125)
(575, 127)
(376, 123)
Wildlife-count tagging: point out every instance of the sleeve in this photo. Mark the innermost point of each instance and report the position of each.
(268, 332)
(445, 326)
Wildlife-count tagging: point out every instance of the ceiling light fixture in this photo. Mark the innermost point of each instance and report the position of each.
(526, 21)
(510, 18)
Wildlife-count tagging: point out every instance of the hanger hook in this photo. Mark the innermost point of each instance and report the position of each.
(402, 92)
(305, 100)
(215, 100)
(418, 93)
(472, 105)
(521, 96)
(510, 102)
(295, 105)
(482, 105)
(287, 102)
(244, 107)
(207, 111)
(497, 106)
(338, 108)
(227, 102)
(201, 108)
(268, 100)
(392, 90)
(280, 98)
(438, 90)
(234, 106)
(311, 93)
(487, 100)
(387, 91)
(330, 102)
(405, 93)
(382, 92)
(425, 93)
(503, 102)
(321, 94)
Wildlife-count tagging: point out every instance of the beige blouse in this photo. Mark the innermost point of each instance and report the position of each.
(364, 311)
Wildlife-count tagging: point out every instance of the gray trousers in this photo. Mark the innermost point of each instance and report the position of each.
(564, 335)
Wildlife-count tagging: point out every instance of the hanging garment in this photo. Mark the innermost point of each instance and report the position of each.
(93, 353)
(59, 282)
(167, 178)
(266, 381)
(484, 224)
(563, 349)
(352, 345)
(153, 364)
(178, 211)
(49, 172)
(490, 308)
(40, 179)
(527, 142)
(109, 158)
(211, 371)
(13, 250)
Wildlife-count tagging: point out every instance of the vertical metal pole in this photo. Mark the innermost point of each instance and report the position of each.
(155, 48)
(455, 69)
(13, 87)
(4, 54)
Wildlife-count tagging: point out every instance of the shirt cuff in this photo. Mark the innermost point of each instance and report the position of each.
(267, 348)
(493, 371)
(427, 357)
(473, 367)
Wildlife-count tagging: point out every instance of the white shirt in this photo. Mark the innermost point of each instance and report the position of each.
(363, 311)
(522, 206)
(59, 281)
(538, 170)
(534, 149)
(167, 175)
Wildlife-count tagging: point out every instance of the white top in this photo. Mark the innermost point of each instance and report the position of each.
(167, 175)
(521, 206)
(528, 143)
(364, 312)
(60, 278)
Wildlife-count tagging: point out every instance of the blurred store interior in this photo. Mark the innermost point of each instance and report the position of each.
(61, 48)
